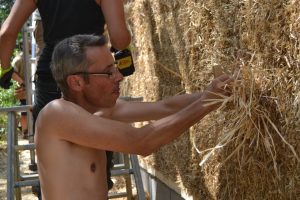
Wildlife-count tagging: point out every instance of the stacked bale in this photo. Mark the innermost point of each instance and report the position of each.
(250, 148)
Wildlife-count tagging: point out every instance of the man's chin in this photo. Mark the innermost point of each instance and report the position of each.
(114, 101)
(116, 94)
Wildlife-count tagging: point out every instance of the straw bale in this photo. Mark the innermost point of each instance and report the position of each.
(177, 44)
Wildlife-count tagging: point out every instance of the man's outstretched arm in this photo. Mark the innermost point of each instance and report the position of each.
(146, 111)
(80, 127)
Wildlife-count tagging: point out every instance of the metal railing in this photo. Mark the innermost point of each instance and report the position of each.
(14, 178)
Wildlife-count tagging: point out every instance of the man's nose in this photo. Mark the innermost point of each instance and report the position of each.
(119, 76)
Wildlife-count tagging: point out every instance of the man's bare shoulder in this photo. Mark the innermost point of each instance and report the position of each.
(58, 106)
(56, 112)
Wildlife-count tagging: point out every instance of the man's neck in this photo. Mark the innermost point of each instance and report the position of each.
(85, 106)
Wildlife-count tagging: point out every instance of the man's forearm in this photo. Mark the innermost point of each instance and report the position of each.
(167, 129)
(176, 103)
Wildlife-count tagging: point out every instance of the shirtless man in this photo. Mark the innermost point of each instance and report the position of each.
(73, 133)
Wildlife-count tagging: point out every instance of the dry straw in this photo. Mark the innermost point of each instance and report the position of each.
(250, 120)
(255, 135)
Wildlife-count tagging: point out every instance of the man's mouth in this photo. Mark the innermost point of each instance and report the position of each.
(116, 90)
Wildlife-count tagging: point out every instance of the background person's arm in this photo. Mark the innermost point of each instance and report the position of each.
(19, 13)
(119, 34)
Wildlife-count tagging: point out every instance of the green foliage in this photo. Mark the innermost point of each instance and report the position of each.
(5, 6)
(3, 124)
(7, 99)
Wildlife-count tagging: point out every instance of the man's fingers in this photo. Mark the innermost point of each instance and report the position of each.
(20, 89)
(223, 77)
(236, 73)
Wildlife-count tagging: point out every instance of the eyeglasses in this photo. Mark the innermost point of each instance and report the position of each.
(111, 75)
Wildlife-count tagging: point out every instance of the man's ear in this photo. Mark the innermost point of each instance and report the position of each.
(75, 82)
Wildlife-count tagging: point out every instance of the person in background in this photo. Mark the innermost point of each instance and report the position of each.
(38, 32)
(60, 19)
(72, 133)
(20, 93)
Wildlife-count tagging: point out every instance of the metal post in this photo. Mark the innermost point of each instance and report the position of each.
(10, 156)
(28, 84)
(137, 177)
(127, 177)
(27, 64)
(16, 161)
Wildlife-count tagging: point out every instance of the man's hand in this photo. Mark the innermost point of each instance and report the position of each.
(218, 89)
(5, 77)
(20, 92)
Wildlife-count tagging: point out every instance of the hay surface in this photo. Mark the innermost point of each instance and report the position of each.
(177, 44)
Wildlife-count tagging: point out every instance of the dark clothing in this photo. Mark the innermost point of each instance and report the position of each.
(109, 165)
(45, 91)
(62, 19)
(43, 65)
(65, 18)
(23, 103)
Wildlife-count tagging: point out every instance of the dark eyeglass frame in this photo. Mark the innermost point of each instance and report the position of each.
(109, 74)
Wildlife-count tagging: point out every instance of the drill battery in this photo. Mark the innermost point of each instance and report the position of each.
(124, 61)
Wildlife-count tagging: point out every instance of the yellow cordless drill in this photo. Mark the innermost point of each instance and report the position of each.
(124, 61)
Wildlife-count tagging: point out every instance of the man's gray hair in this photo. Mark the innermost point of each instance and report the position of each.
(69, 56)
